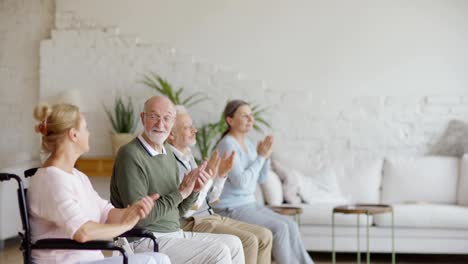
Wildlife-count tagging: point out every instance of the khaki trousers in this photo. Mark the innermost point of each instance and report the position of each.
(256, 240)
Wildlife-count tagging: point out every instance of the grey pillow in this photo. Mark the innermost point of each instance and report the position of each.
(454, 142)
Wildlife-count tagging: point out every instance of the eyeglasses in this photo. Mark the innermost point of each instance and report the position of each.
(155, 117)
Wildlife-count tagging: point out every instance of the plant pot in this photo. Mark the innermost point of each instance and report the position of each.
(119, 140)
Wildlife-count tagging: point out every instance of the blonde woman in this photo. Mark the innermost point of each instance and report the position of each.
(62, 202)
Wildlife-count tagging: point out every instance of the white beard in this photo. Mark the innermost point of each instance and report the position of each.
(193, 143)
(157, 138)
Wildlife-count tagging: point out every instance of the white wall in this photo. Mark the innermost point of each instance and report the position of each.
(344, 79)
(332, 47)
(23, 24)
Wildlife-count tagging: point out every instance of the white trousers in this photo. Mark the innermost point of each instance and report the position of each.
(191, 247)
(143, 258)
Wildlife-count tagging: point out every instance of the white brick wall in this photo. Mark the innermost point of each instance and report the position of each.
(23, 24)
(366, 118)
(314, 130)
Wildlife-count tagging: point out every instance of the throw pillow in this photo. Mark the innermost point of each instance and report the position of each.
(272, 189)
(322, 188)
(291, 182)
(360, 179)
(454, 142)
(259, 195)
(420, 179)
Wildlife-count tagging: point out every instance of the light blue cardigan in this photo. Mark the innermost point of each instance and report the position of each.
(248, 169)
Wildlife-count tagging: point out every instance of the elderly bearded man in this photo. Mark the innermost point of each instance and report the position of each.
(146, 165)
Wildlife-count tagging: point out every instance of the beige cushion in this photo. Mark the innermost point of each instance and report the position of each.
(454, 142)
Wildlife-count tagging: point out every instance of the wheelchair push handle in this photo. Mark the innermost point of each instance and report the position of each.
(8, 176)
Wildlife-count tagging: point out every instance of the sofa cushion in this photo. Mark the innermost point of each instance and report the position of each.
(462, 193)
(291, 179)
(426, 216)
(420, 179)
(321, 214)
(272, 189)
(259, 195)
(322, 187)
(360, 181)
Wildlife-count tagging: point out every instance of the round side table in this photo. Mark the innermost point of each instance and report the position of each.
(293, 211)
(366, 209)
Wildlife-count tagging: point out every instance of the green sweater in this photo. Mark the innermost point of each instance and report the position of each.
(137, 174)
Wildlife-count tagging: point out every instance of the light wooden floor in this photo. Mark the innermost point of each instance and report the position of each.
(11, 255)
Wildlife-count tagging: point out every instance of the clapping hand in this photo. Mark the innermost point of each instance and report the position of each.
(202, 179)
(265, 147)
(213, 164)
(226, 163)
(194, 181)
(139, 210)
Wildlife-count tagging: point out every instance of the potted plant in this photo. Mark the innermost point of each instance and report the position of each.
(123, 123)
(162, 86)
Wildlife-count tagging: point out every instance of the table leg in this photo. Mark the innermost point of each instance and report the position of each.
(358, 242)
(367, 239)
(333, 239)
(393, 239)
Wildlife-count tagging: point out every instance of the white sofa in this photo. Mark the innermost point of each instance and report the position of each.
(429, 196)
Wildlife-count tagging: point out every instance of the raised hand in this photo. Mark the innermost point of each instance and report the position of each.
(203, 178)
(189, 181)
(139, 210)
(213, 164)
(226, 164)
(265, 147)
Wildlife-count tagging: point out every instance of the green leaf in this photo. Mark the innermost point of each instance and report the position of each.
(163, 87)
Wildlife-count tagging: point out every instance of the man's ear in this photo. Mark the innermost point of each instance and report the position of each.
(72, 134)
(171, 137)
(142, 117)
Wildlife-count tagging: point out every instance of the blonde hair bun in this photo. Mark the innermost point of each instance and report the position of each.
(42, 111)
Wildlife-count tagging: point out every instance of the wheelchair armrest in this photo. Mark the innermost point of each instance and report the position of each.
(59, 243)
(138, 232)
